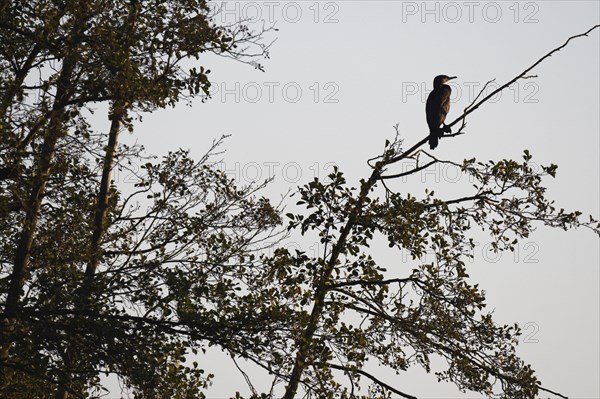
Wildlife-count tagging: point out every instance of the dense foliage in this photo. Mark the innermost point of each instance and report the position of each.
(97, 278)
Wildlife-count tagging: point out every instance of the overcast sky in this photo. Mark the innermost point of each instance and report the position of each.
(342, 73)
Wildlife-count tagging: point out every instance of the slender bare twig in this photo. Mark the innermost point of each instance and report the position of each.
(541, 388)
(372, 378)
(248, 381)
(520, 76)
(409, 172)
(371, 282)
(480, 93)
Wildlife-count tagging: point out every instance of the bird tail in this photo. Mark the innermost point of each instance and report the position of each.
(434, 136)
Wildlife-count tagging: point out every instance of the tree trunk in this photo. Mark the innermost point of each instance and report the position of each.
(315, 315)
(64, 92)
(25, 241)
(103, 192)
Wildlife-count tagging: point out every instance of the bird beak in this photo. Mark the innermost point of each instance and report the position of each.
(452, 77)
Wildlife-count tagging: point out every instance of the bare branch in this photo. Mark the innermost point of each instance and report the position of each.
(410, 172)
(522, 75)
(370, 282)
(372, 378)
(541, 388)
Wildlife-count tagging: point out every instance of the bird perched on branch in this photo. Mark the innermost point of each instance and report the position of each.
(437, 107)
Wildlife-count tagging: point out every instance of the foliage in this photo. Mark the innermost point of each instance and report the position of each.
(94, 279)
(138, 282)
(404, 317)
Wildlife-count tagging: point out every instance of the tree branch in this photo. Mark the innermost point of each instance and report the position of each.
(541, 388)
(370, 282)
(468, 110)
(410, 172)
(521, 75)
(372, 378)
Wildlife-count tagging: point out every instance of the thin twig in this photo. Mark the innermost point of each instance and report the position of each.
(248, 382)
(409, 172)
(371, 282)
(521, 75)
(372, 378)
(541, 388)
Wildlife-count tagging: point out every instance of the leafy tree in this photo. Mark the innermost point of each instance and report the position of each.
(66, 232)
(402, 317)
(96, 279)
(349, 309)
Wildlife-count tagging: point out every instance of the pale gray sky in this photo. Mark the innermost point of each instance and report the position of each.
(342, 73)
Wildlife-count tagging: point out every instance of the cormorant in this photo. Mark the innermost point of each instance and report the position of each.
(438, 105)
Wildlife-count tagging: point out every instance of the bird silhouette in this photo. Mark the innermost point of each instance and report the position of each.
(437, 107)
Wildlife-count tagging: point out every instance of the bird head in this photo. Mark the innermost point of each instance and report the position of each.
(441, 79)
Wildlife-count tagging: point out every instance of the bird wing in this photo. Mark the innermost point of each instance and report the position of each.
(431, 110)
(438, 106)
(446, 91)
